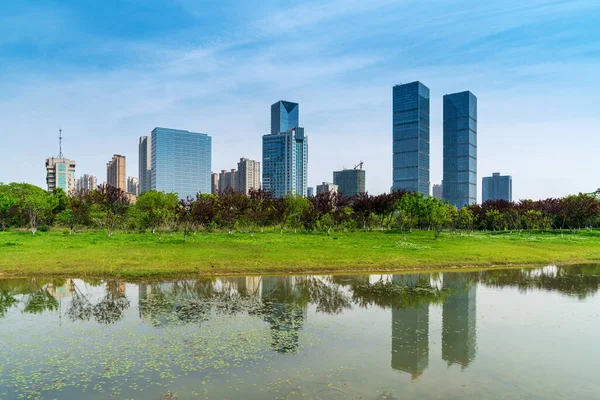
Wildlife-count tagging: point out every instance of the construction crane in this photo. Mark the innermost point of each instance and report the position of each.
(359, 167)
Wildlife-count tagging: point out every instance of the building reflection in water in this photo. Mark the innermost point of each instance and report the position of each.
(410, 330)
(285, 311)
(459, 331)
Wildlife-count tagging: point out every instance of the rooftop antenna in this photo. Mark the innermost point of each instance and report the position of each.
(60, 154)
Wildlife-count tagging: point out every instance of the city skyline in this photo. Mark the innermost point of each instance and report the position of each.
(107, 88)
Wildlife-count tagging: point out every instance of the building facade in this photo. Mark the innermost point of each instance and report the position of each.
(285, 163)
(350, 182)
(133, 186)
(327, 187)
(411, 137)
(437, 191)
(460, 149)
(214, 183)
(145, 164)
(227, 181)
(60, 173)
(248, 175)
(116, 172)
(496, 187)
(181, 162)
(284, 116)
(285, 152)
(310, 191)
(86, 183)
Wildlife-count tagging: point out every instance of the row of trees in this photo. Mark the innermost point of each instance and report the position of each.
(109, 208)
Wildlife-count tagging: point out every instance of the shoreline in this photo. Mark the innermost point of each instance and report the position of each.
(175, 275)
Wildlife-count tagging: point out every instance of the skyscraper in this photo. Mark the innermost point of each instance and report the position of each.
(497, 187)
(214, 183)
(248, 175)
(116, 172)
(284, 116)
(350, 181)
(60, 173)
(285, 152)
(227, 181)
(145, 164)
(460, 149)
(411, 137)
(437, 191)
(181, 162)
(327, 187)
(86, 183)
(133, 186)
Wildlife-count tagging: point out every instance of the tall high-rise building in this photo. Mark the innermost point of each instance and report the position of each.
(327, 187)
(285, 163)
(86, 183)
(181, 162)
(227, 180)
(497, 187)
(437, 191)
(133, 186)
(248, 175)
(285, 152)
(310, 191)
(411, 137)
(350, 182)
(460, 149)
(145, 164)
(214, 183)
(60, 173)
(116, 174)
(284, 116)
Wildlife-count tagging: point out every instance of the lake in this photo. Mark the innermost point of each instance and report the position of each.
(503, 333)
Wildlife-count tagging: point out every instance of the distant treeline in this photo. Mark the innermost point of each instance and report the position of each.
(27, 206)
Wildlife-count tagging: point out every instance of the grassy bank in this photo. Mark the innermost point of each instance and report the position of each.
(143, 255)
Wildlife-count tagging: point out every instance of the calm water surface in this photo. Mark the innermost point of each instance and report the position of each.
(510, 334)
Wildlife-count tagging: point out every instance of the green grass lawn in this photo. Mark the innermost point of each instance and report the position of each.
(143, 255)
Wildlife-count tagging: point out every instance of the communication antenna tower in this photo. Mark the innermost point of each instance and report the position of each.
(60, 154)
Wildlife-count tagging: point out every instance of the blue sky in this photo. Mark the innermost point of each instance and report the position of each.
(108, 72)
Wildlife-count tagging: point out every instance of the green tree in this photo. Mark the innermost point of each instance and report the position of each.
(8, 208)
(466, 219)
(157, 211)
(38, 206)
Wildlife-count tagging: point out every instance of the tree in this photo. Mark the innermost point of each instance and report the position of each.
(232, 206)
(466, 219)
(205, 209)
(296, 212)
(114, 204)
(363, 206)
(8, 208)
(38, 205)
(158, 211)
(440, 214)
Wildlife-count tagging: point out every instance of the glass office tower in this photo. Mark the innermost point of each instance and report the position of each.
(497, 187)
(460, 149)
(285, 152)
(284, 116)
(181, 162)
(411, 137)
(285, 163)
(145, 164)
